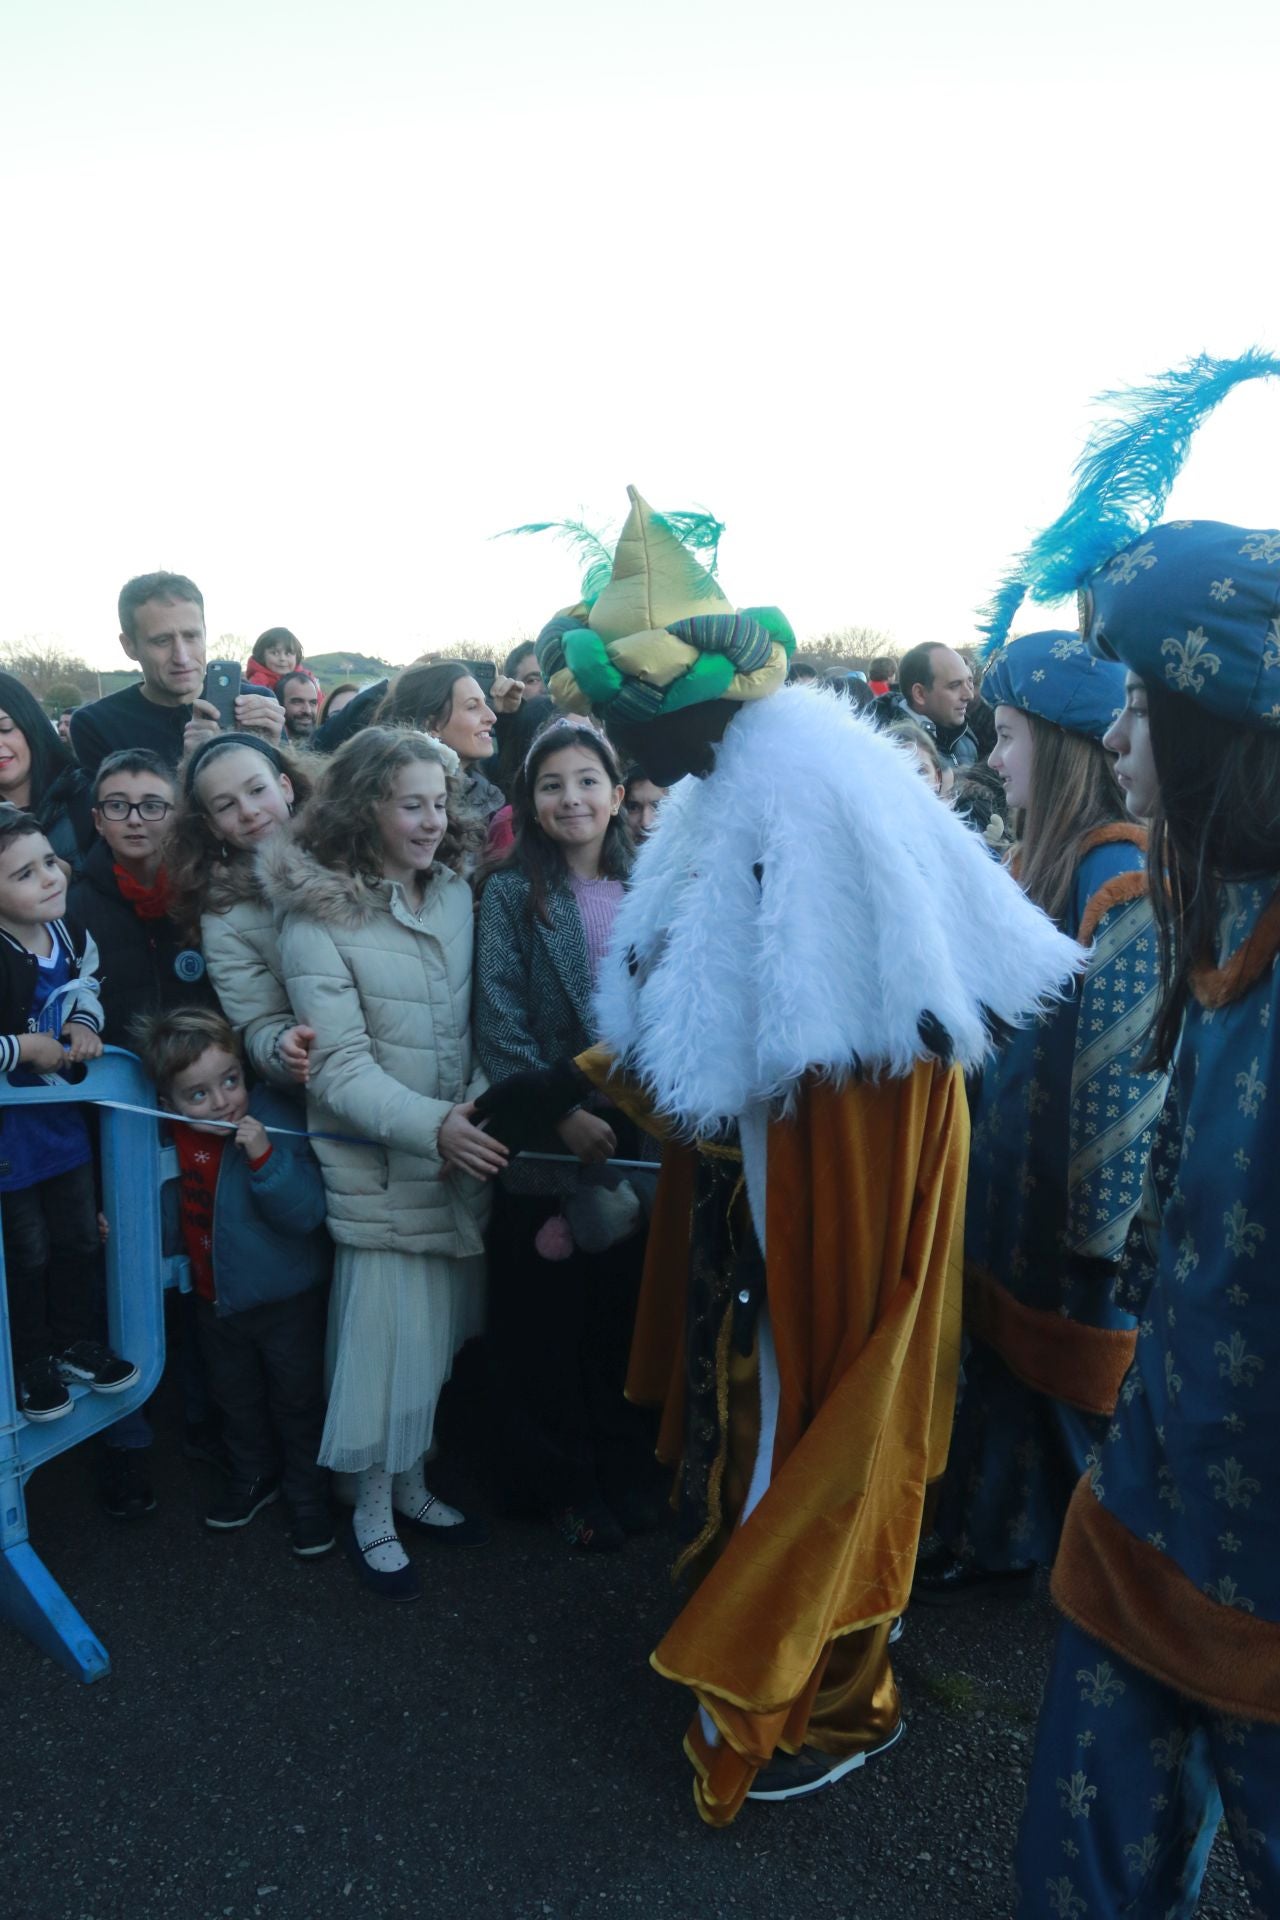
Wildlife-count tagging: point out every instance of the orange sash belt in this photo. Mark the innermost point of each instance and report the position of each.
(1080, 1365)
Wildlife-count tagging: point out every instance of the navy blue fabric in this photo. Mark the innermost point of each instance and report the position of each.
(50, 1140)
(1195, 605)
(269, 1238)
(1054, 675)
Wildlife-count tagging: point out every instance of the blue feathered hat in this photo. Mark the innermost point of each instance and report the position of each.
(1054, 675)
(1193, 604)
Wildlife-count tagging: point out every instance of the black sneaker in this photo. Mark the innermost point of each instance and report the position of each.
(789, 1775)
(311, 1533)
(640, 1509)
(590, 1528)
(42, 1393)
(124, 1488)
(89, 1365)
(242, 1499)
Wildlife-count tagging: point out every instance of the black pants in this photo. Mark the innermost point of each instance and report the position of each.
(52, 1260)
(559, 1340)
(266, 1378)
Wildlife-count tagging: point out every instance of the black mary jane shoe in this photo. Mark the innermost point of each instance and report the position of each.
(402, 1584)
(471, 1531)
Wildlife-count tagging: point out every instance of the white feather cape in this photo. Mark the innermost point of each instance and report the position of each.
(800, 909)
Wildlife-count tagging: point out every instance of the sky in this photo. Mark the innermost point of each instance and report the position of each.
(309, 301)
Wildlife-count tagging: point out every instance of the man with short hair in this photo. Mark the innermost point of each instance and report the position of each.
(522, 664)
(935, 688)
(162, 631)
(300, 698)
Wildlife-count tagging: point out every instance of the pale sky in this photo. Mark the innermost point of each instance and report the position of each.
(309, 299)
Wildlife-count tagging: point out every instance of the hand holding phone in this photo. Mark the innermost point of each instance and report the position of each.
(221, 686)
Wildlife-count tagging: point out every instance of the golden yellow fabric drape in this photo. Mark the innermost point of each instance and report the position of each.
(864, 1265)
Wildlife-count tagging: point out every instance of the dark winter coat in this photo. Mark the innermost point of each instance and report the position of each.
(269, 1241)
(144, 966)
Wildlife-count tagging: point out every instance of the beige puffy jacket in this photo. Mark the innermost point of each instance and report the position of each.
(242, 953)
(389, 995)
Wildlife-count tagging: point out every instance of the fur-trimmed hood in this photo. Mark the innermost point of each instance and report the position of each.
(295, 882)
(802, 910)
(231, 882)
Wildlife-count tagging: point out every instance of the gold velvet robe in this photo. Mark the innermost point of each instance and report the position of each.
(865, 1217)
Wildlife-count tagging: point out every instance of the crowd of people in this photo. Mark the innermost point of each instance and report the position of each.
(471, 1022)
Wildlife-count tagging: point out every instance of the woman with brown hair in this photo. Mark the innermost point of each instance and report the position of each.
(1063, 1122)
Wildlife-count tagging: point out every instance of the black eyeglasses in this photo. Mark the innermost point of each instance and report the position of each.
(118, 808)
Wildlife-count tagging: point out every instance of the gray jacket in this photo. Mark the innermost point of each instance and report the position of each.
(532, 1002)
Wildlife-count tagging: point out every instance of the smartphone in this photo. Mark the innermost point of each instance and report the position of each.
(483, 672)
(221, 688)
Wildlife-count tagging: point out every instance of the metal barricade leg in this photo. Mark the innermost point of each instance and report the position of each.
(30, 1598)
(32, 1601)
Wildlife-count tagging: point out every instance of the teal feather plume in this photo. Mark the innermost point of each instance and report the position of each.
(1122, 481)
(700, 532)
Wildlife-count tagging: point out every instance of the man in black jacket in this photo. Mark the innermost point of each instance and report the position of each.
(935, 688)
(162, 632)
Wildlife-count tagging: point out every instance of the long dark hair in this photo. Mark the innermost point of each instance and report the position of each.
(1073, 793)
(1217, 819)
(49, 756)
(421, 696)
(536, 856)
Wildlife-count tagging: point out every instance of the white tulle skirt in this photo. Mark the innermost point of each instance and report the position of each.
(395, 1322)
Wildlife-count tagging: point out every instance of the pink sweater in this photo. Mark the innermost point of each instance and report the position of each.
(598, 903)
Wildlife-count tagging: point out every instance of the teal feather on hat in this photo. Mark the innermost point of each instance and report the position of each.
(1123, 479)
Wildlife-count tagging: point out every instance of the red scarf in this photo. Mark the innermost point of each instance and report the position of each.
(149, 903)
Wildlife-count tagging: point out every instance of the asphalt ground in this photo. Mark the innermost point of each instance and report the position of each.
(275, 1742)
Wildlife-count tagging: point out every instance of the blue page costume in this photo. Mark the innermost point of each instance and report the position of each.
(1163, 1707)
(1063, 1128)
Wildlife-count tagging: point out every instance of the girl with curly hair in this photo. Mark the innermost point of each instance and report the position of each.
(375, 941)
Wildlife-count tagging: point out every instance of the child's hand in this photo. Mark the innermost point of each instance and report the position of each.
(104, 1228)
(463, 1145)
(82, 1042)
(294, 1047)
(43, 1051)
(588, 1136)
(251, 1135)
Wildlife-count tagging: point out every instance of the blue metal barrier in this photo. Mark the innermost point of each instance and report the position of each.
(132, 1163)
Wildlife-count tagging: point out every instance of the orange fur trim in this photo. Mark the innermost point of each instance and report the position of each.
(1112, 893)
(1081, 1365)
(1136, 1601)
(1218, 986)
(1119, 830)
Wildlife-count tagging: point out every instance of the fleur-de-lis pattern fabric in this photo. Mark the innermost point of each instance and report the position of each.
(1191, 1464)
(1128, 1784)
(1063, 1127)
(1055, 675)
(1195, 605)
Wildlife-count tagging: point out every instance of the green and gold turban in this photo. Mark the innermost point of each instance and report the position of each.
(660, 635)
